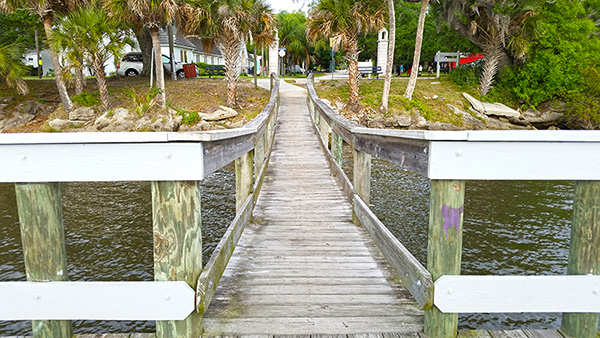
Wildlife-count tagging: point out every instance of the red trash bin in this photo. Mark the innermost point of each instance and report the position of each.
(190, 70)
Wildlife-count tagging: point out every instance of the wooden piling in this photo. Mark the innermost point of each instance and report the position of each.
(43, 236)
(336, 147)
(259, 153)
(243, 179)
(176, 217)
(444, 247)
(362, 178)
(584, 253)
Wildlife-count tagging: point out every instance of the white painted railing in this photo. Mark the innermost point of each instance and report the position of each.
(450, 158)
(175, 163)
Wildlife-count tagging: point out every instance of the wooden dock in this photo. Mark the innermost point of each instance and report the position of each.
(302, 266)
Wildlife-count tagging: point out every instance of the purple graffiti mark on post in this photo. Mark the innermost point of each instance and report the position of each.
(452, 218)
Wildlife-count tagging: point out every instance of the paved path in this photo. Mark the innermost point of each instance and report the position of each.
(302, 266)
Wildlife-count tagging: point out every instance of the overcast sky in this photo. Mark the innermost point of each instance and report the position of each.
(287, 5)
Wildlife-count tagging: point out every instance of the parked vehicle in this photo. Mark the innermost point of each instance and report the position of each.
(132, 64)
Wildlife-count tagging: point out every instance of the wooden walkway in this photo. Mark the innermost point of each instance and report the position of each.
(302, 266)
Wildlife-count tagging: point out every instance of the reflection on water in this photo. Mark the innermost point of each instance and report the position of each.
(108, 230)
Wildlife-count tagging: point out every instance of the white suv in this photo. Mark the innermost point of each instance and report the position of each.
(132, 64)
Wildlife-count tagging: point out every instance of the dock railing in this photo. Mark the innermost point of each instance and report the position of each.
(448, 159)
(174, 163)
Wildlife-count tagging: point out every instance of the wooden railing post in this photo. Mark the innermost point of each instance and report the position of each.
(336, 147)
(176, 217)
(43, 236)
(259, 153)
(444, 247)
(584, 254)
(325, 132)
(243, 179)
(362, 178)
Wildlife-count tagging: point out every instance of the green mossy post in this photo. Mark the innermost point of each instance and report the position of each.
(584, 254)
(243, 179)
(444, 247)
(176, 217)
(43, 236)
(362, 178)
(336, 147)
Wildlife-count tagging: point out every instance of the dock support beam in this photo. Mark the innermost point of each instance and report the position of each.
(243, 179)
(43, 236)
(444, 247)
(362, 178)
(176, 218)
(584, 254)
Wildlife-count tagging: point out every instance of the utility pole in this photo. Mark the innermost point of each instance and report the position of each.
(37, 50)
(171, 51)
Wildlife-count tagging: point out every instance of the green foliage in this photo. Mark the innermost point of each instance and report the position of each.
(86, 99)
(202, 68)
(11, 67)
(19, 27)
(189, 117)
(585, 106)
(467, 76)
(561, 59)
(143, 103)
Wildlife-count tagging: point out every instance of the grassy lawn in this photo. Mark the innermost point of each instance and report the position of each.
(430, 98)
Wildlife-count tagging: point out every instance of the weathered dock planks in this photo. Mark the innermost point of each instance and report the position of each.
(302, 267)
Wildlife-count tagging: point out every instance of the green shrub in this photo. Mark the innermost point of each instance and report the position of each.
(202, 68)
(86, 99)
(467, 76)
(143, 103)
(189, 117)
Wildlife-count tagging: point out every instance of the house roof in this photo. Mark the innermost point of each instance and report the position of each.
(179, 39)
(199, 43)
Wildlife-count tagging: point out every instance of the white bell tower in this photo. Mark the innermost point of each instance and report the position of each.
(382, 47)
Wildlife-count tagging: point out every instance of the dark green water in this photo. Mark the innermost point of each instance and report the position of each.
(510, 228)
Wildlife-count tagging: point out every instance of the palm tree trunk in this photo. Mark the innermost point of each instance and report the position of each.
(412, 82)
(387, 83)
(492, 53)
(231, 52)
(158, 65)
(352, 57)
(58, 76)
(145, 41)
(79, 78)
(102, 88)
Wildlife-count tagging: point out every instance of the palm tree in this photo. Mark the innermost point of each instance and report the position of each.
(152, 14)
(46, 10)
(498, 28)
(292, 33)
(228, 24)
(11, 68)
(89, 33)
(387, 83)
(412, 82)
(343, 21)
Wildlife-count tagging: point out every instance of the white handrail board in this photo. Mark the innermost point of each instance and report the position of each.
(98, 162)
(513, 294)
(514, 160)
(96, 300)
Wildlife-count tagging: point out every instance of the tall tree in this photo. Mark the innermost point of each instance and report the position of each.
(11, 68)
(390, 58)
(412, 82)
(229, 23)
(344, 21)
(46, 10)
(151, 14)
(292, 36)
(503, 30)
(89, 33)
